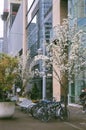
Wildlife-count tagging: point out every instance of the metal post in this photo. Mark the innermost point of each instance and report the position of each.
(44, 87)
(44, 76)
(43, 41)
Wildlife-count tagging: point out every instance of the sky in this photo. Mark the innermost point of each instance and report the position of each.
(1, 22)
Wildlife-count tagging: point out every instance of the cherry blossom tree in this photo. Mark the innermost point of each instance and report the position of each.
(67, 53)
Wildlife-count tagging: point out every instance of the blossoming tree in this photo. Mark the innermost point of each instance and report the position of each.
(67, 54)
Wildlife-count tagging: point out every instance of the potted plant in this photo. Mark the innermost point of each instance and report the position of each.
(8, 75)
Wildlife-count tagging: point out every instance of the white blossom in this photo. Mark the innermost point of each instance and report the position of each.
(68, 48)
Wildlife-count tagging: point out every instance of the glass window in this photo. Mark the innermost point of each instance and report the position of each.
(79, 7)
(33, 35)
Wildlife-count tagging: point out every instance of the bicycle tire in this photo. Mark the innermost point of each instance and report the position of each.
(64, 115)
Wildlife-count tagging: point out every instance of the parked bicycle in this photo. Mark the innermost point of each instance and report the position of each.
(47, 110)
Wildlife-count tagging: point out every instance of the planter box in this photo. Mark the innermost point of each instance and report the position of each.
(7, 109)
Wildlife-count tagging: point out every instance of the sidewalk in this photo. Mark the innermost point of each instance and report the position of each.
(75, 105)
(23, 121)
(76, 113)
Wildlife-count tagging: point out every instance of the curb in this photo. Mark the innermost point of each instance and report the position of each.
(75, 105)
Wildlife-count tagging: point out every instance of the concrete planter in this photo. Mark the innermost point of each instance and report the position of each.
(7, 109)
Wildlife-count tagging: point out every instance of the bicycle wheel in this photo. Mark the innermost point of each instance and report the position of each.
(64, 115)
(34, 111)
(44, 115)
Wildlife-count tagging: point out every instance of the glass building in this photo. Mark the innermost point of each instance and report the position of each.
(39, 17)
(77, 9)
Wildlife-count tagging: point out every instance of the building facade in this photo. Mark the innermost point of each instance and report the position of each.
(60, 12)
(77, 9)
(38, 33)
(9, 14)
(1, 45)
(42, 17)
(15, 37)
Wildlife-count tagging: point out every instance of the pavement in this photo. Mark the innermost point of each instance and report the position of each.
(24, 121)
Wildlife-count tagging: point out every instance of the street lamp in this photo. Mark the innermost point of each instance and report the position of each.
(42, 55)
